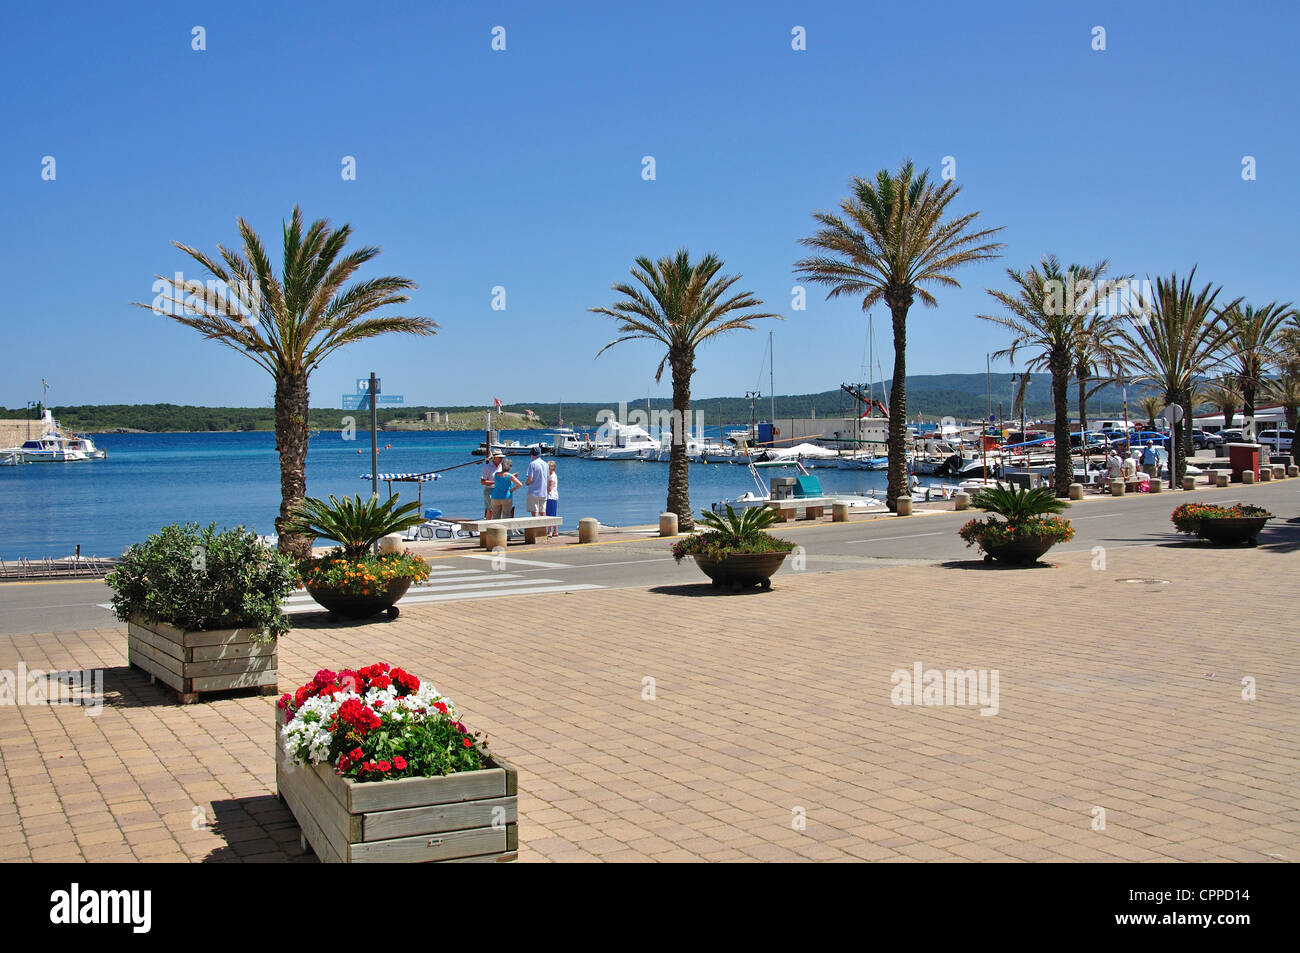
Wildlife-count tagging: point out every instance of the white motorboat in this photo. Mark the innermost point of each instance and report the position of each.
(806, 454)
(859, 462)
(567, 443)
(615, 441)
(52, 447)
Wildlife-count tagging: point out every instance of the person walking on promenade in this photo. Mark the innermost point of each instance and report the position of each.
(504, 485)
(486, 475)
(552, 500)
(536, 478)
(1151, 460)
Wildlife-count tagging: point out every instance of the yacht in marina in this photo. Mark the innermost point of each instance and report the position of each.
(52, 447)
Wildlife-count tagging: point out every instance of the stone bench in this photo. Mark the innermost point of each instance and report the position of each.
(814, 507)
(494, 533)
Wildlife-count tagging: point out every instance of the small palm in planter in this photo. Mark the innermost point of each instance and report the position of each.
(735, 551)
(351, 581)
(1027, 529)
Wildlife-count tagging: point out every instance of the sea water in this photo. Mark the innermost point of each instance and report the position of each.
(231, 479)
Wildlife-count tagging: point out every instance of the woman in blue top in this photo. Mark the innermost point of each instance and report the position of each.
(503, 485)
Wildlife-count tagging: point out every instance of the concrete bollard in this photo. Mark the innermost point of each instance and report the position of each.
(904, 506)
(1221, 477)
(839, 512)
(588, 529)
(392, 543)
(1155, 485)
(1293, 471)
(1248, 477)
(1189, 483)
(1116, 487)
(1279, 471)
(962, 500)
(1076, 491)
(495, 536)
(667, 524)
(1265, 474)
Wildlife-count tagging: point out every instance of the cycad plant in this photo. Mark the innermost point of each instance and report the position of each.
(1018, 504)
(893, 239)
(1171, 343)
(681, 304)
(355, 523)
(734, 532)
(288, 325)
(737, 526)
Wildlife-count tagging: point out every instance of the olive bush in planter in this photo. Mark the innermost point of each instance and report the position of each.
(734, 550)
(350, 580)
(203, 608)
(376, 766)
(1027, 529)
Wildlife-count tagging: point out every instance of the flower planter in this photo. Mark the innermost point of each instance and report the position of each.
(471, 816)
(1232, 530)
(1017, 551)
(361, 607)
(195, 663)
(742, 570)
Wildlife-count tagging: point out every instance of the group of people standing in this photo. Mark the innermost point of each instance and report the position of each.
(1151, 459)
(499, 485)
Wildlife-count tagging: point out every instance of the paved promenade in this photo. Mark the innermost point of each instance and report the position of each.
(768, 731)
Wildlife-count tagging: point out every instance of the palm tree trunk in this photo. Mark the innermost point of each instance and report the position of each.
(291, 404)
(679, 474)
(1248, 406)
(897, 446)
(1061, 430)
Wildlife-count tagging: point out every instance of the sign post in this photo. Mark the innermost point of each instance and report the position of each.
(1174, 414)
(374, 434)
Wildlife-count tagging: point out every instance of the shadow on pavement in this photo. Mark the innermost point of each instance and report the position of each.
(256, 828)
(707, 589)
(991, 566)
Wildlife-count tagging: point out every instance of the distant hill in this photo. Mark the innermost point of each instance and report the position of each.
(964, 396)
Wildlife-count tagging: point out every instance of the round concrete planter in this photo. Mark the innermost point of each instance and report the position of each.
(1018, 552)
(742, 570)
(361, 607)
(1232, 531)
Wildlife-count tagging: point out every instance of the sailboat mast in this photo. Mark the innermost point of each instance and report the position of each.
(771, 375)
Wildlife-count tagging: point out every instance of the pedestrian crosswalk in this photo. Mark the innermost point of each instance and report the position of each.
(446, 584)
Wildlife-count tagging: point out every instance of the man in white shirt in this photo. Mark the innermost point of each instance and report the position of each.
(486, 474)
(536, 478)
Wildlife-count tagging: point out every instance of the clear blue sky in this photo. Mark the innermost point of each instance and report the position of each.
(523, 169)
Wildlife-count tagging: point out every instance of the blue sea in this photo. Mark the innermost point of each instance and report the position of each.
(149, 480)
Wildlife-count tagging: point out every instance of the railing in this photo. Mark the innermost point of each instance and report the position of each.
(44, 567)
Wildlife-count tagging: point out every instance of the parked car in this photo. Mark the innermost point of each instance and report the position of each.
(1279, 440)
(1202, 440)
(1231, 436)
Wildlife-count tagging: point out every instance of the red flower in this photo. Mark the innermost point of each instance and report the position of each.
(384, 767)
(358, 716)
(323, 678)
(467, 743)
(381, 681)
(399, 762)
(356, 754)
(344, 763)
(441, 707)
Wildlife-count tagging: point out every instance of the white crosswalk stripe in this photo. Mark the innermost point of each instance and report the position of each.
(451, 585)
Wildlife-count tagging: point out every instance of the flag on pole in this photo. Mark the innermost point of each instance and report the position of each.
(496, 403)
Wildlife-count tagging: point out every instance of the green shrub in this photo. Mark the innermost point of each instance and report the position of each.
(197, 578)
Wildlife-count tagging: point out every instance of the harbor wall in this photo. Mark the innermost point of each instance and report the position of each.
(14, 432)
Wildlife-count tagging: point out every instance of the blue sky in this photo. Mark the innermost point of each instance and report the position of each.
(523, 169)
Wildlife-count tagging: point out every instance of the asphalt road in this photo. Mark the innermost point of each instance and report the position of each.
(825, 547)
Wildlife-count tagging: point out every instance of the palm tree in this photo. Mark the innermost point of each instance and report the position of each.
(1094, 349)
(289, 325)
(1251, 346)
(1285, 387)
(1171, 345)
(890, 241)
(1047, 318)
(681, 305)
(1223, 394)
(1152, 406)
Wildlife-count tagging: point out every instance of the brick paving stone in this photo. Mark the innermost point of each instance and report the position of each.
(1117, 718)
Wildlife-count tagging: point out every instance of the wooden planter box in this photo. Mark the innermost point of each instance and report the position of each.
(469, 817)
(196, 662)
